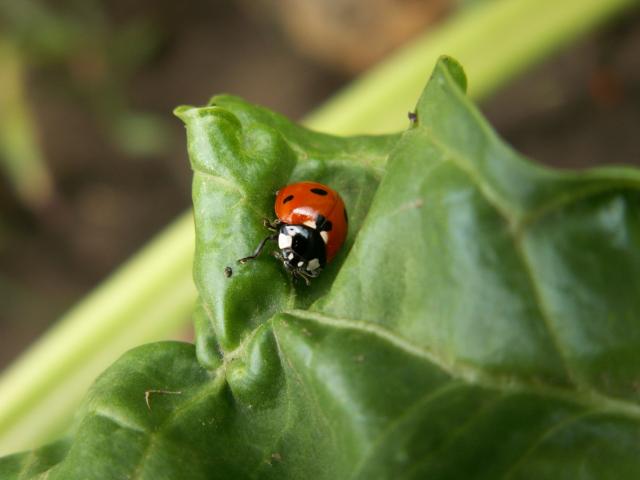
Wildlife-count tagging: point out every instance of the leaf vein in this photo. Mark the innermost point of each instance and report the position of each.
(475, 375)
(429, 396)
(308, 394)
(549, 432)
(456, 433)
(545, 317)
(119, 420)
(510, 218)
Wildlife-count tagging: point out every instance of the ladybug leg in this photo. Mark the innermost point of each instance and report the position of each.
(271, 225)
(258, 250)
(306, 275)
(300, 274)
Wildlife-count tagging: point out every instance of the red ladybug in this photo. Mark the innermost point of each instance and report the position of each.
(310, 228)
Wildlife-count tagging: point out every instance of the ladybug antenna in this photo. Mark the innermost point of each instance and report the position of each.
(258, 250)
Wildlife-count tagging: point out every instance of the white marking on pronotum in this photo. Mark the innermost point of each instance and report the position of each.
(300, 264)
(310, 224)
(290, 256)
(284, 241)
(313, 264)
(325, 236)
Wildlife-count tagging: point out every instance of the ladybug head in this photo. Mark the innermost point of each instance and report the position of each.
(302, 250)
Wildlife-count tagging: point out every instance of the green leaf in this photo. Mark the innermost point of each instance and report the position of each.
(480, 322)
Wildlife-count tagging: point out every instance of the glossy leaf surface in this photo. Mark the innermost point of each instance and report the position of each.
(481, 321)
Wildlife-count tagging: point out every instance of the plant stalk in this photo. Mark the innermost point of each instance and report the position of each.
(20, 156)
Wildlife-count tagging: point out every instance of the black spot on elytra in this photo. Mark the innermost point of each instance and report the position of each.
(319, 191)
(287, 199)
(322, 224)
(346, 218)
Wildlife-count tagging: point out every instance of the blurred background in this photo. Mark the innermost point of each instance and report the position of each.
(93, 164)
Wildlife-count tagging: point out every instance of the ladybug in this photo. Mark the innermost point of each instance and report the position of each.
(310, 228)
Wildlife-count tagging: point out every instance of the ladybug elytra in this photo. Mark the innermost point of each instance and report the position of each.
(310, 228)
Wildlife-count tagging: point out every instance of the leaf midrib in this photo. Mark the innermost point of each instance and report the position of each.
(474, 375)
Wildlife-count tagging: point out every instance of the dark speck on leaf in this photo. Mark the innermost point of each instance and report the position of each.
(228, 271)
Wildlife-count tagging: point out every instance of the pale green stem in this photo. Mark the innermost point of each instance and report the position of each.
(20, 154)
(152, 294)
(146, 300)
(494, 42)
